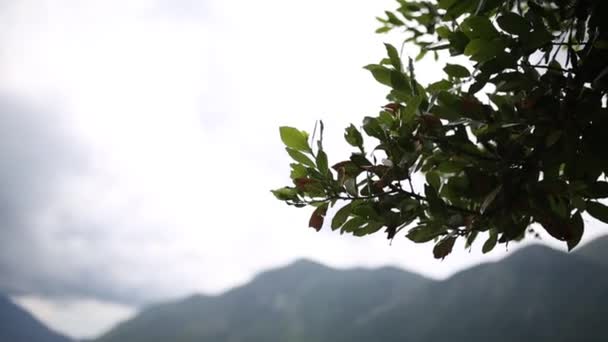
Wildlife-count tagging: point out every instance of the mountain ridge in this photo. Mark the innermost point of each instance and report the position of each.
(308, 301)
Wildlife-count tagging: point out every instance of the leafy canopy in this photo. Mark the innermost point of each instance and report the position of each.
(512, 139)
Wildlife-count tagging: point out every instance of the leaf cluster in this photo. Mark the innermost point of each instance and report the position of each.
(509, 142)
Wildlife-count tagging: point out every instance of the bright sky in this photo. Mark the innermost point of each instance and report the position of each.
(149, 144)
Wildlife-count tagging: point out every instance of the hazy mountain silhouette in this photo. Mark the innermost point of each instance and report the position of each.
(536, 294)
(17, 325)
(596, 250)
(304, 301)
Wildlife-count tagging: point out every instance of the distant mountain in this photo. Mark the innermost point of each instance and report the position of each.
(304, 301)
(17, 325)
(596, 250)
(537, 294)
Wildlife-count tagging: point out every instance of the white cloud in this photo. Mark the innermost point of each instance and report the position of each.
(176, 107)
(82, 318)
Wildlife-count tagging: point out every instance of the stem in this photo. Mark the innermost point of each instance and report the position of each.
(552, 68)
(395, 191)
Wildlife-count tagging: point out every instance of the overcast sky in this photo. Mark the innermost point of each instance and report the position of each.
(139, 141)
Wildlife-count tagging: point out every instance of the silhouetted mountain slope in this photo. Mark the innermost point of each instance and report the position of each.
(596, 250)
(17, 325)
(304, 301)
(537, 294)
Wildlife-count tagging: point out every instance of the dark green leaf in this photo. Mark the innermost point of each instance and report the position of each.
(392, 18)
(439, 86)
(372, 127)
(369, 228)
(482, 50)
(598, 210)
(299, 157)
(381, 74)
(424, 233)
(470, 239)
(490, 242)
(322, 163)
(577, 228)
(457, 71)
(599, 190)
(341, 216)
(514, 24)
(433, 179)
(479, 27)
(393, 55)
(353, 224)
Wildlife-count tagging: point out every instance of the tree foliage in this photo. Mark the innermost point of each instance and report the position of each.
(510, 141)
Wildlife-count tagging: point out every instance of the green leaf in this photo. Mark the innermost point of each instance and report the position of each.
(490, 242)
(294, 138)
(577, 228)
(353, 136)
(285, 193)
(424, 233)
(444, 247)
(341, 216)
(353, 224)
(456, 71)
(439, 86)
(322, 164)
(599, 190)
(298, 171)
(433, 179)
(459, 8)
(409, 112)
(369, 228)
(470, 239)
(400, 82)
(479, 27)
(482, 50)
(393, 55)
(392, 18)
(537, 38)
(458, 42)
(514, 24)
(474, 46)
(299, 157)
(598, 210)
(381, 74)
(372, 127)
(443, 32)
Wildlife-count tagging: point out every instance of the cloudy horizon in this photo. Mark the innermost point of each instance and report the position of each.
(139, 142)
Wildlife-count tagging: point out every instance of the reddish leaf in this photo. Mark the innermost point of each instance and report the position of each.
(317, 217)
(430, 121)
(470, 105)
(303, 184)
(391, 107)
(444, 247)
